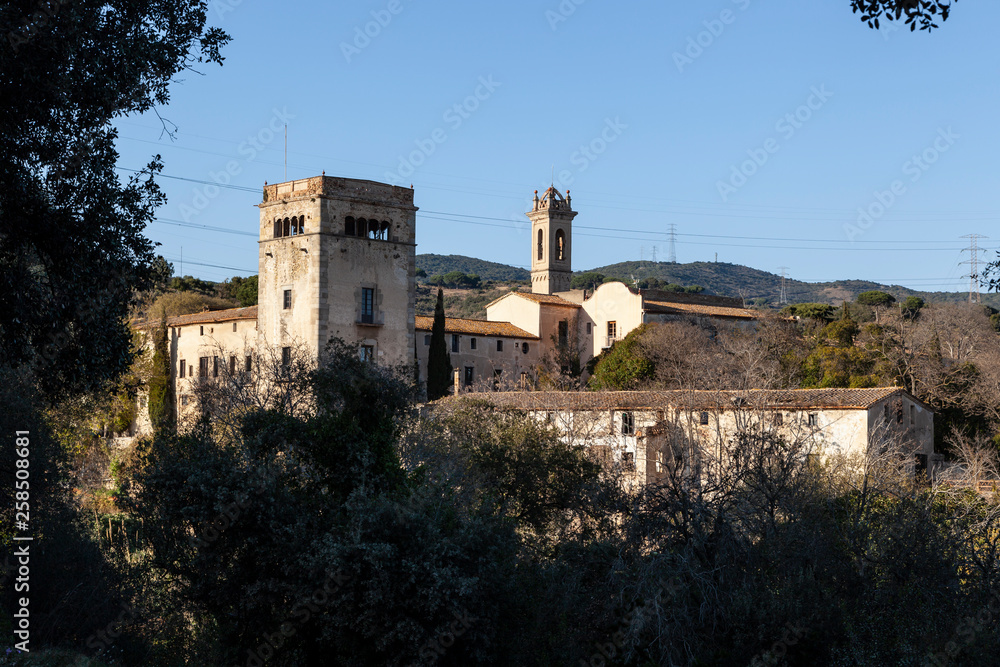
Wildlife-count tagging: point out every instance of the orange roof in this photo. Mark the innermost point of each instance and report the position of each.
(461, 325)
(795, 399)
(699, 309)
(550, 299)
(205, 317)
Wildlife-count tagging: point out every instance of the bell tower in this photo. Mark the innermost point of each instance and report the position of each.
(551, 242)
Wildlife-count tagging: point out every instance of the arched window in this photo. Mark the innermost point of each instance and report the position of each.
(541, 247)
(560, 245)
(294, 229)
(285, 227)
(386, 225)
(349, 226)
(277, 227)
(362, 227)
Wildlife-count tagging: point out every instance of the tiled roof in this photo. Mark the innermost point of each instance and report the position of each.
(538, 298)
(699, 309)
(798, 399)
(206, 317)
(480, 327)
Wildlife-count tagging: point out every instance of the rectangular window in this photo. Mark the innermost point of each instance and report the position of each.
(286, 357)
(779, 419)
(367, 305)
(612, 330)
(472, 343)
(628, 423)
(232, 365)
(183, 369)
(178, 332)
(813, 419)
(703, 419)
(246, 363)
(524, 380)
(215, 367)
(589, 328)
(234, 327)
(287, 300)
(469, 371)
(563, 333)
(367, 353)
(203, 367)
(499, 345)
(454, 342)
(201, 331)
(628, 460)
(191, 371)
(427, 339)
(913, 415)
(184, 400)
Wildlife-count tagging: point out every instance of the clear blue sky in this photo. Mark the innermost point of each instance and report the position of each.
(663, 122)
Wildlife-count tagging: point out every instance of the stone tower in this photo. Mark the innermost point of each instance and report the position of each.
(337, 259)
(551, 242)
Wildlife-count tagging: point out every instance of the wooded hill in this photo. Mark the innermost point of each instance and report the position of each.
(733, 280)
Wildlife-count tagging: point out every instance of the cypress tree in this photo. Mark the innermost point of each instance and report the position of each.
(160, 381)
(438, 359)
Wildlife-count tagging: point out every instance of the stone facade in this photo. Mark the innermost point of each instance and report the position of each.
(337, 259)
(638, 430)
(551, 233)
(487, 355)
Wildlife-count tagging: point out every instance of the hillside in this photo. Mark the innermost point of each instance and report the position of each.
(733, 280)
(441, 264)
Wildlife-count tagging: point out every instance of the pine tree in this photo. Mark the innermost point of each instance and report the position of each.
(438, 359)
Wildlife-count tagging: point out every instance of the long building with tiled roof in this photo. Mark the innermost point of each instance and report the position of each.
(462, 325)
(647, 431)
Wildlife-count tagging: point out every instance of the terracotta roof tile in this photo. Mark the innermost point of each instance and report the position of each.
(699, 309)
(461, 325)
(800, 399)
(206, 317)
(538, 298)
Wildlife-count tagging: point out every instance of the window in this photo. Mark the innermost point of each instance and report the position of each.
(215, 367)
(184, 399)
(367, 353)
(232, 365)
(628, 461)
(427, 339)
(191, 371)
(178, 332)
(813, 419)
(703, 419)
(588, 328)
(499, 345)
(246, 363)
(349, 226)
(541, 245)
(183, 369)
(472, 343)
(234, 327)
(886, 410)
(454, 342)
(628, 423)
(469, 373)
(201, 331)
(287, 299)
(913, 415)
(524, 380)
(779, 419)
(660, 461)
(367, 305)
(612, 331)
(563, 333)
(524, 348)
(286, 357)
(560, 245)
(203, 367)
